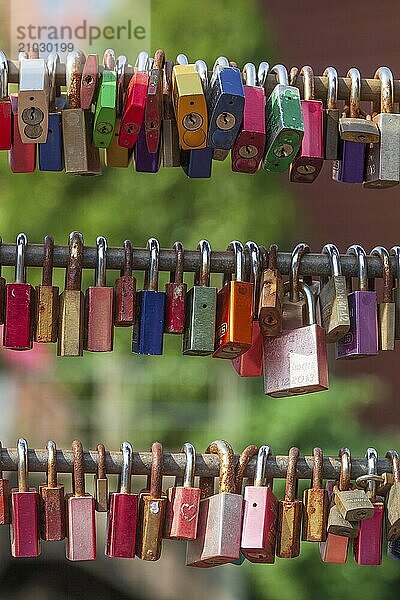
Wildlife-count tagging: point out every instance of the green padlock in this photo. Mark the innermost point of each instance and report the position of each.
(285, 127)
(105, 111)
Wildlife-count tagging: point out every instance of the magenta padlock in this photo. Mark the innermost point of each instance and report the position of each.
(295, 362)
(24, 510)
(362, 337)
(20, 301)
(308, 163)
(5, 105)
(175, 295)
(260, 514)
(81, 525)
(368, 544)
(122, 512)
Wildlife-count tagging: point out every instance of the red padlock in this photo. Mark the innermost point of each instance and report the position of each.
(5, 105)
(248, 149)
(122, 515)
(24, 510)
(4, 500)
(99, 303)
(135, 102)
(175, 295)
(81, 525)
(22, 157)
(125, 291)
(334, 548)
(154, 103)
(2, 294)
(183, 506)
(18, 328)
(52, 501)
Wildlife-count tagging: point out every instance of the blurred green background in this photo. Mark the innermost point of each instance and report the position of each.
(174, 398)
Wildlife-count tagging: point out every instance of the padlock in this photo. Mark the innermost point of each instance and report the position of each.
(250, 363)
(182, 513)
(105, 109)
(52, 501)
(225, 100)
(308, 162)
(148, 328)
(125, 291)
(22, 157)
(234, 310)
(71, 315)
(20, 305)
(284, 123)
(101, 481)
(386, 308)
(116, 155)
(170, 135)
(4, 498)
(395, 251)
(248, 149)
(393, 500)
(333, 298)
(362, 337)
(175, 295)
(51, 155)
(122, 515)
(201, 305)
(260, 514)
(2, 299)
(338, 525)
(334, 548)
(270, 311)
(368, 544)
(89, 80)
(331, 116)
(145, 161)
(135, 102)
(353, 504)
(33, 100)
(220, 518)
(5, 105)
(198, 163)
(289, 513)
(81, 524)
(383, 159)
(295, 362)
(152, 507)
(99, 306)
(315, 503)
(24, 530)
(154, 103)
(47, 298)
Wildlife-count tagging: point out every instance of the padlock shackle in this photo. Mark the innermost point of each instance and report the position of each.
(345, 469)
(109, 59)
(281, 74)
(261, 466)
(241, 466)
(101, 262)
(262, 73)
(332, 92)
(120, 67)
(73, 275)
(3, 75)
(151, 274)
(294, 271)
(309, 297)
(334, 259)
(101, 461)
(126, 469)
(127, 267)
(291, 477)
(78, 475)
(355, 92)
(51, 464)
(387, 272)
(239, 273)
(221, 62)
(394, 457)
(20, 269)
(318, 469)
(202, 69)
(182, 59)
(309, 89)
(142, 61)
(253, 273)
(159, 59)
(249, 75)
(372, 457)
(155, 487)
(227, 482)
(48, 256)
(385, 75)
(177, 275)
(202, 277)
(23, 465)
(190, 466)
(361, 255)
(73, 73)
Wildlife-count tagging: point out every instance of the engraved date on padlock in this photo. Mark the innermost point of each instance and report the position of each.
(192, 121)
(225, 121)
(32, 115)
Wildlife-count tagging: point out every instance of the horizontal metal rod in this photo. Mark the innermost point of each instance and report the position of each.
(221, 261)
(207, 465)
(370, 88)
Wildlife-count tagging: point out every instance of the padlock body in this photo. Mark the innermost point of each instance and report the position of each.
(22, 157)
(2, 300)
(33, 96)
(331, 133)
(81, 528)
(354, 505)
(170, 144)
(335, 308)
(386, 325)
(105, 112)
(148, 328)
(197, 164)
(271, 303)
(101, 494)
(121, 525)
(248, 149)
(250, 363)
(175, 300)
(99, 303)
(396, 300)
(368, 544)
(200, 317)
(364, 131)
(25, 525)
(71, 323)
(308, 163)
(362, 337)
(284, 128)
(4, 502)
(338, 525)
(349, 168)
(182, 514)
(225, 97)
(188, 97)
(315, 515)
(20, 310)
(52, 513)
(334, 549)
(47, 297)
(289, 527)
(51, 153)
(75, 140)
(151, 521)
(145, 161)
(116, 155)
(153, 110)
(234, 319)
(133, 113)
(295, 362)
(5, 124)
(219, 531)
(260, 514)
(393, 513)
(382, 162)
(124, 301)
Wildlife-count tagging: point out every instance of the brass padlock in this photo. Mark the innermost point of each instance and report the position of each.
(271, 295)
(386, 308)
(393, 499)
(353, 504)
(337, 524)
(333, 298)
(354, 128)
(290, 513)
(315, 503)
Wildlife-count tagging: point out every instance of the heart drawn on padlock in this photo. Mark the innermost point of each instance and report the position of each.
(188, 511)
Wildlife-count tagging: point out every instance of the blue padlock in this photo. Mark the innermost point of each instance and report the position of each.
(51, 154)
(148, 328)
(225, 100)
(198, 163)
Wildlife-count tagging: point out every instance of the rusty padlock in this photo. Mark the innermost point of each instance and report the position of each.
(47, 298)
(125, 291)
(52, 501)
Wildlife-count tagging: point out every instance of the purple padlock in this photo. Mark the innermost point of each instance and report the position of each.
(362, 338)
(145, 161)
(349, 168)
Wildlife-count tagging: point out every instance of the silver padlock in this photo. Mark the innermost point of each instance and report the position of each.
(33, 101)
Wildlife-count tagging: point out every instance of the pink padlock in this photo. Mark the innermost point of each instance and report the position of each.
(5, 105)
